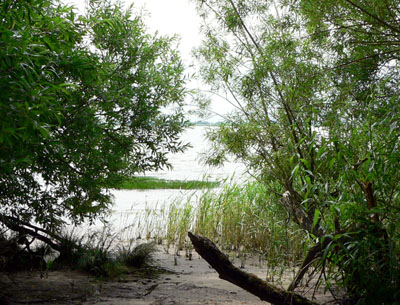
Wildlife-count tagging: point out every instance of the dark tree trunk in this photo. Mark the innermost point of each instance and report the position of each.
(227, 271)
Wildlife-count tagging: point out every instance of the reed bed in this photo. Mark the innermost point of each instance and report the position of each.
(240, 218)
(246, 219)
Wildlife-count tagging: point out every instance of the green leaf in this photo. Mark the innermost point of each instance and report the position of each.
(316, 218)
(48, 42)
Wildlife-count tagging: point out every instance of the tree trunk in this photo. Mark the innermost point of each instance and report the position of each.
(227, 271)
(312, 255)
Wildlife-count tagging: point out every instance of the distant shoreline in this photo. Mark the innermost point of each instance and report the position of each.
(201, 123)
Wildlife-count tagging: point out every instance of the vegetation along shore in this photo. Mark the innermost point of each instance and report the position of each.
(93, 101)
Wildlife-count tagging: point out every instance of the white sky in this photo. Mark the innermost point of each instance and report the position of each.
(168, 17)
(172, 17)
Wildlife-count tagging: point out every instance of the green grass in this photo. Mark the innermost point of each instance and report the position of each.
(152, 183)
(105, 254)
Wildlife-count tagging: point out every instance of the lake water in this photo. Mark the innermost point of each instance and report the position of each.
(128, 204)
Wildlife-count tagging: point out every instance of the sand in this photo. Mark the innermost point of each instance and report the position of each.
(188, 282)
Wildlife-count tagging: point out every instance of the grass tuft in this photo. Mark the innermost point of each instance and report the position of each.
(139, 256)
(90, 252)
(100, 253)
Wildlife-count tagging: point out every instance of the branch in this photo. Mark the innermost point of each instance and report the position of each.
(312, 254)
(363, 59)
(25, 231)
(227, 271)
(25, 228)
(285, 104)
(380, 20)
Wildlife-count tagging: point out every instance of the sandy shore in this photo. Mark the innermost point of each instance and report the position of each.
(188, 282)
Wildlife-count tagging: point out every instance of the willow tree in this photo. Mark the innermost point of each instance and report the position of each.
(84, 101)
(315, 90)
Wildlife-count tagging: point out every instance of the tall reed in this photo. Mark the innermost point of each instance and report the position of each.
(180, 220)
(242, 218)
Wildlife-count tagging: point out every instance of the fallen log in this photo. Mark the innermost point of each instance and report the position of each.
(249, 282)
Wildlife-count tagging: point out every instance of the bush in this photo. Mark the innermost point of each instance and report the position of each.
(15, 255)
(139, 256)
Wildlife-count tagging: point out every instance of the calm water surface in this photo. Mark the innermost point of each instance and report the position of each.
(186, 166)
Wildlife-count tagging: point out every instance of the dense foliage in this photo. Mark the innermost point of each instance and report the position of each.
(315, 86)
(84, 101)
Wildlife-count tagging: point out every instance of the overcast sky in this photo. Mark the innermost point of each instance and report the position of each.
(170, 17)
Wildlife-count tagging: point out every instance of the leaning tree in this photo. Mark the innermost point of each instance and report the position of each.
(84, 101)
(315, 90)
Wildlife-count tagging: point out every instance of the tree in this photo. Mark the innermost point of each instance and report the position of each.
(84, 102)
(315, 84)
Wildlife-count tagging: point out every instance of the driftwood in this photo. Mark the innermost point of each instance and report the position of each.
(227, 271)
